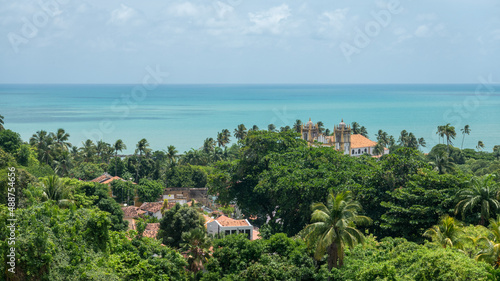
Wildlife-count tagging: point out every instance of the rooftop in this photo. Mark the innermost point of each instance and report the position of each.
(359, 141)
(152, 207)
(151, 230)
(226, 221)
(132, 212)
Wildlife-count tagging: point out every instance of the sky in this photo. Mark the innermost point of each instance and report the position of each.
(242, 41)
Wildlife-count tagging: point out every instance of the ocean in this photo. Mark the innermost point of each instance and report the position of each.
(184, 115)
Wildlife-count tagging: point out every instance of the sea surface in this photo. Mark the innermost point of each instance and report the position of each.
(184, 115)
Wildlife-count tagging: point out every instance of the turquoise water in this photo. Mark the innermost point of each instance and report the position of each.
(184, 115)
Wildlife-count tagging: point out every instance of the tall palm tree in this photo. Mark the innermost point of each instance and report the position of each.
(481, 197)
(332, 228)
(41, 141)
(220, 140)
(363, 131)
(480, 145)
(118, 146)
(142, 147)
(448, 233)
(208, 145)
(61, 139)
(327, 132)
(101, 149)
(440, 133)
(1, 123)
(255, 128)
(172, 154)
(88, 150)
(378, 149)
(421, 142)
(240, 132)
(227, 136)
(297, 125)
(382, 137)
(321, 126)
(196, 244)
(412, 141)
(449, 132)
(465, 130)
(403, 138)
(63, 164)
(355, 128)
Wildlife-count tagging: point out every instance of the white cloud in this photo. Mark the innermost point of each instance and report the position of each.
(222, 9)
(186, 9)
(122, 15)
(270, 20)
(335, 19)
(423, 31)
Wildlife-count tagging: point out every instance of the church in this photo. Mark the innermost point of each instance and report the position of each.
(341, 139)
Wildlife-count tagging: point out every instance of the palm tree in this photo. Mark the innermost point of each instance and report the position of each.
(482, 196)
(378, 149)
(442, 162)
(440, 133)
(1, 123)
(255, 128)
(88, 150)
(240, 132)
(227, 136)
(55, 189)
(44, 144)
(320, 127)
(196, 245)
(332, 228)
(465, 130)
(327, 132)
(61, 139)
(480, 145)
(382, 137)
(363, 131)
(412, 141)
(172, 154)
(355, 129)
(271, 128)
(101, 149)
(492, 252)
(449, 132)
(208, 145)
(297, 125)
(118, 146)
(448, 233)
(403, 138)
(421, 142)
(142, 147)
(63, 164)
(220, 139)
(496, 151)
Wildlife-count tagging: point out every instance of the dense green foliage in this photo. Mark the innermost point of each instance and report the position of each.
(71, 229)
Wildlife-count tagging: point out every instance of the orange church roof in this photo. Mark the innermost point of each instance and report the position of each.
(359, 141)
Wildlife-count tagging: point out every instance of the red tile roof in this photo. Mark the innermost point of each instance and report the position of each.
(132, 212)
(151, 230)
(226, 221)
(107, 178)
(152, 207)
(359, 141)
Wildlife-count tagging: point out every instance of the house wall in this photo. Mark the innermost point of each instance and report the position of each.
(214, 228)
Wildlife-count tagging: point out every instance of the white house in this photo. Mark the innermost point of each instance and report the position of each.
(227, 226)
(152, 209)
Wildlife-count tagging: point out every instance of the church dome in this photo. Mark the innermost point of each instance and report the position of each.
(309, 124)
(342, 124)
